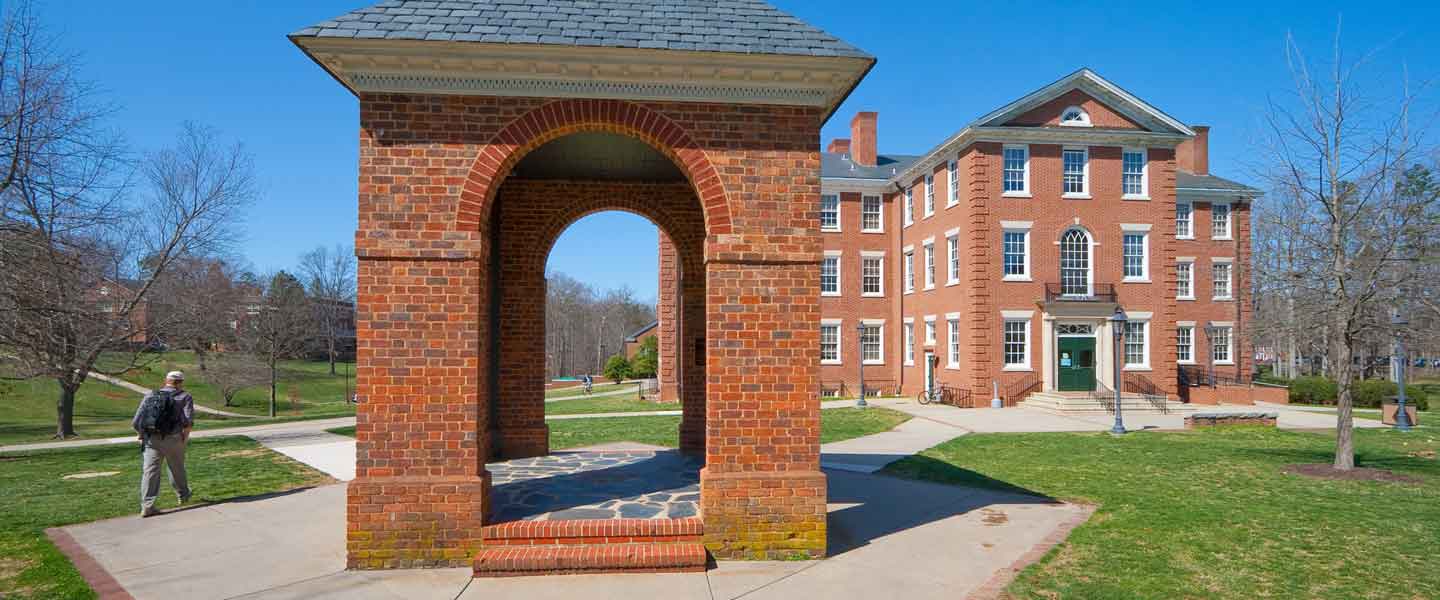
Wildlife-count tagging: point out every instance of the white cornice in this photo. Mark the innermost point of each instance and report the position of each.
(469, 68)
(835, 185)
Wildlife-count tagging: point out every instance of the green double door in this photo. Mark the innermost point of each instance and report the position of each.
(1076, 364)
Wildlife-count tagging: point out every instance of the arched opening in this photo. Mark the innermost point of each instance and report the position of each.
(1075, 263)
(571, 466)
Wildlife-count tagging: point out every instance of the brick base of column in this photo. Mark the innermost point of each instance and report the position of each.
(692, 439)
(415, 522)
(521, 442)
(764, 516)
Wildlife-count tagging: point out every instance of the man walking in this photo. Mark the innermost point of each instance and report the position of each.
(163, 421)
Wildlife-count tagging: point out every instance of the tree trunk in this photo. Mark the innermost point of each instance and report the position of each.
(274, 373)
(200, 357)
(65, 410)
(332, 355)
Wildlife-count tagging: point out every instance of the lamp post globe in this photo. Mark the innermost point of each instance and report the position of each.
(1402, 419)
(1117, 328)
(860, 339)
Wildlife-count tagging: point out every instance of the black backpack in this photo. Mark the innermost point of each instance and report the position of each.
(160, 414)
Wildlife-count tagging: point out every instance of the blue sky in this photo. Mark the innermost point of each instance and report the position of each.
(941, 64)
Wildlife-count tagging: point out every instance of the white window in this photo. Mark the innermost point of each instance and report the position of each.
(909, 269)
(829, 342)
(929, 195)
(1137, 348)
(1017, 171)
(1015, 250)
(1017, 344)
(1220, 345)
(909, 205)
(909, 341)
(1075, 116)
(952, 186)
(1185, 344)
(952, 247)
(930, 330)
(1134, 180)
(872, 343)
(1220, 272)
(830, 274)
(1135, 250)
(1184, 221)
(872, 274)
(829, 212)
(1220, 221)
(1076, 180)
(1185, 280)
(930, 266)
(1075, 263)
(870, 220)
(952, 331)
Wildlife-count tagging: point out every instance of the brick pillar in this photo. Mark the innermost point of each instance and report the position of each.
(518, 427)
(668, 313)
(690, 364)
(762, 491)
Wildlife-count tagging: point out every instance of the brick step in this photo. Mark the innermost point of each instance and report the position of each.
(1070, 403)
(519, 561)
(599, 531)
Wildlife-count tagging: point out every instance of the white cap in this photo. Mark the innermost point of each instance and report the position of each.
(175, 375)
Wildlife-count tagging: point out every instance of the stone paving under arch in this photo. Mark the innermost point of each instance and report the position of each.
(606, 484)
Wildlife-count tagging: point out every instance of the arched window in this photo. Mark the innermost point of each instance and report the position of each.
(1075, 117)
(1075, 263)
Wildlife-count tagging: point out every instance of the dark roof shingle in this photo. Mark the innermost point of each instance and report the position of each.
(833, 164)
(743, 26)
(1188, 180)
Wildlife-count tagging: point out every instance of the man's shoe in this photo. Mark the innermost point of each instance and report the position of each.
(148, 512)
(185, 499)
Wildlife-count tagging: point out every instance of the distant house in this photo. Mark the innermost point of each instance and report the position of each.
(634, 340)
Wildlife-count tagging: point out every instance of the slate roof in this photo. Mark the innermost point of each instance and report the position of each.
(743, 26)
(834, 164)
(639, 332)
(1187, 180)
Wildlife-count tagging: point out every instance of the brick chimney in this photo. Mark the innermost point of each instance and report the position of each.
(839, 146)
(862, 136)
(1193, 155)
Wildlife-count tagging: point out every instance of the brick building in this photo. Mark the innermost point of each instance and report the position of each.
(1003, 251)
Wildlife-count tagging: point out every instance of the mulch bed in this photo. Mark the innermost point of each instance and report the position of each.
(1323, 471)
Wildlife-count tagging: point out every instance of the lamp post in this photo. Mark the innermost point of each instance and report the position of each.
(1117, 328)
(860, 338)
(1402, 420)
(1210, 332)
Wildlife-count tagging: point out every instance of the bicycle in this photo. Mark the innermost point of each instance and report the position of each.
(935, 394)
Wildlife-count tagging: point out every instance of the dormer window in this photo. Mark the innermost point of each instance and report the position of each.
(1075, 117)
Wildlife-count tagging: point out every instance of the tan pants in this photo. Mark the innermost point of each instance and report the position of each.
(169, 450)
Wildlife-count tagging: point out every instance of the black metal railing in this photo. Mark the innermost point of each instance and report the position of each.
(1205, 376)
(1017, 391)
(1135, 383)
(1100, 292)
(956, 396)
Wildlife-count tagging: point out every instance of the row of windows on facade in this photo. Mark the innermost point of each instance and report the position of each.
(1016, 341)
(1075, 264)
(872, 220)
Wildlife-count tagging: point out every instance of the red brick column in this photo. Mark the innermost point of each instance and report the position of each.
(690, 363)
(667, 311)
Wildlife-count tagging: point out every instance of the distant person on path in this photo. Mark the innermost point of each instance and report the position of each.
(163, 421)
(589, 383)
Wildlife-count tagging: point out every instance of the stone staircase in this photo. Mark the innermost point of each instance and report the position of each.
(520, 548)
(1086, 403)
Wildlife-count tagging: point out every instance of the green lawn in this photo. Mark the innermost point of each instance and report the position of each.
(606, 405)
(37, 498)
(835, 425)
(598, 388)
(1211, 514)
(307, 389)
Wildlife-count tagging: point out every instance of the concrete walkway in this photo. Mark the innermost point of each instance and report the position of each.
(254, 431)
(142, 391)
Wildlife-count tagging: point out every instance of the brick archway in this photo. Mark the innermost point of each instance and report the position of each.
(560, 118)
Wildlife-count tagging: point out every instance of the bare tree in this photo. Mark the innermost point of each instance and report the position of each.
(276, 325)
(78, 257)
(231, 372)
(330, 278)
(196, 305)
(1345, 194)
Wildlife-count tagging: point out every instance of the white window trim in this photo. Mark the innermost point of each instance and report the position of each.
(1190, 260)
(1021, 316)
(952, 329)
(839, 273)
(839, 341)
(880, 254)
(931, 330)
(881, 341)
(1142, 228)
(1178, 326)
(1084, 117)
(1144, 174)
(909, 205)
(929, 206)
(1015, 227)
(1023, 193)
(837, 228)
(1084, 193)
(1229, 220)
(909, 331)
(952, 176)
(952, 240)
(1229, 343)
(1191, 236)
(1229, 279)
(1143, 319)
(879, 202)
(930, 262)
(907, 270)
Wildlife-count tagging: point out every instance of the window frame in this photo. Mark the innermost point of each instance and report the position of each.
(952, 257)
(952, 189)
(1133, 229)
(1007, 319)
(1024, 192)
(879, 324)
(879, 257)
(909, 332)
(929, 195)
(1084, 120)
(839, 273)
(1229, 344)
(1229, 221)
(952, 340)
(1084, 193)
(1144, 324)
(1187, 326)
(879, 213)
(1189, 220)
(930, 278)
(907, 270)
(1144, 173)
(837, 226)
(1189, 279)
(909, 205)
(1090, 259)
(839, 341)
(1023, 228)
(931, 331)
(1229, 279)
